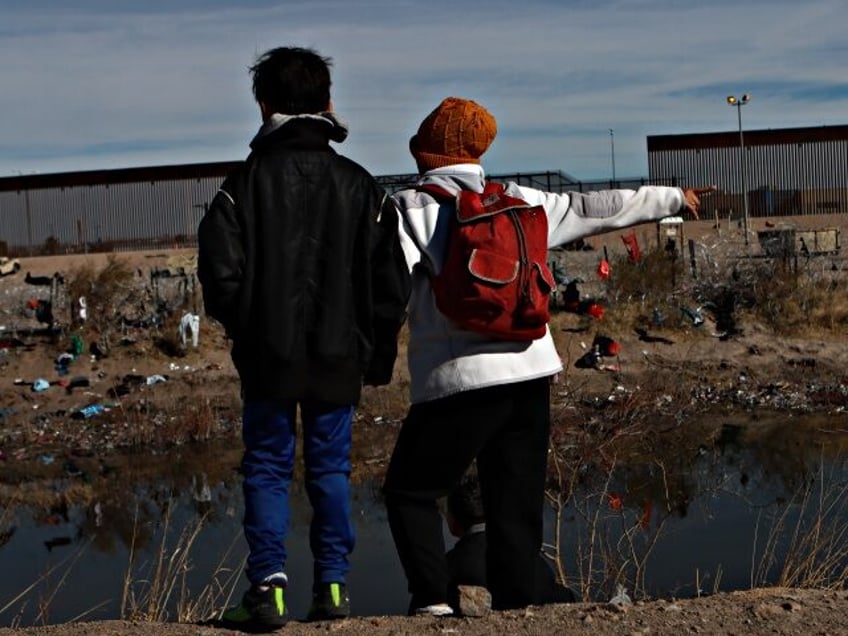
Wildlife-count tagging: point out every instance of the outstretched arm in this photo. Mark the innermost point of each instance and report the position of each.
(576, 215)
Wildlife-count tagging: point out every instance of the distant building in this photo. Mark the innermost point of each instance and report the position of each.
(153, 207)
(788, 171)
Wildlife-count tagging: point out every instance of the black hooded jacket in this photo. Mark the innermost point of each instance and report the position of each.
(299, 259)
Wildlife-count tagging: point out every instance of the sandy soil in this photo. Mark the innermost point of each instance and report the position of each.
(746, 368)
(758, 612)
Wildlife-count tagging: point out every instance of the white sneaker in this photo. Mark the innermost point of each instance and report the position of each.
(440, 609)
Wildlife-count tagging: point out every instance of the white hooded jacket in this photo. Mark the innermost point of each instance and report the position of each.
(444, 359)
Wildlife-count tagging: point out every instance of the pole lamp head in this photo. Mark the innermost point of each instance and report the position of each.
(733, 101)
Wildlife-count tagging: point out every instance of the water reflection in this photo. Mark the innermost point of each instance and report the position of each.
(690, 515)
(705, 507)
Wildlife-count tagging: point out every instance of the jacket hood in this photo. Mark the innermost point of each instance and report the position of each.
(336, 127)
(462, 176)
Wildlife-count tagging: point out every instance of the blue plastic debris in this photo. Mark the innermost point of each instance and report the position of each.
(89, 411)
(694, 315)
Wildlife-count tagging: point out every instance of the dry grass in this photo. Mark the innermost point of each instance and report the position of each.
(613, 541)
(159, 591)
(806, 544)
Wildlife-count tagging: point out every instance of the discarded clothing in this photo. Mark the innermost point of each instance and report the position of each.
(189, 328)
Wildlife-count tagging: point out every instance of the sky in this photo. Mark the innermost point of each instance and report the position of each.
(104, 84)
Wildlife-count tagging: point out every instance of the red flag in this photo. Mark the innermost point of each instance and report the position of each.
(631, 244)
(604, 266)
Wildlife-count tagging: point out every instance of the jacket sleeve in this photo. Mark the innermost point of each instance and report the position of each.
(576, 215)
(221, 258)
(391, 287)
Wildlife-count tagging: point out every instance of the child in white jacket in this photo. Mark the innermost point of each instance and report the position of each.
(475, 397)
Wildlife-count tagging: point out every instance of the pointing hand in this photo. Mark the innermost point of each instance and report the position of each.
(692, 198)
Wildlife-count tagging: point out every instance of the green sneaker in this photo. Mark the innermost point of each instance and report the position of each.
(329, 602)
(262, 609)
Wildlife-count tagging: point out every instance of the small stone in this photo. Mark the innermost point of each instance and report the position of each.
(474, 600)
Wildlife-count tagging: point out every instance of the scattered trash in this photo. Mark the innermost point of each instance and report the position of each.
(10, 342)
(201, 492)
(189, 328)
(40, 385)
(606, 346)
(77, 382)
(77, 345)
(595, 310)
(155, 379)
(621, 600)
(572, 302)
(46, 460)
(589, 360)
(89, 411)
(694, 315)
(43, 310)
(602, 346)
(63, 361)
(82, 312)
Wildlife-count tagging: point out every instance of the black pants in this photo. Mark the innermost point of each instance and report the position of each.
(506, 429)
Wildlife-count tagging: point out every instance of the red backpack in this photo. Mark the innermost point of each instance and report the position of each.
(495, 279)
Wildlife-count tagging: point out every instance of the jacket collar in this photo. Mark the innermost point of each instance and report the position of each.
(328, 124)
(461, 176)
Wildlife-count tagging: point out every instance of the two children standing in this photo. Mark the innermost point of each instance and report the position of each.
(312, 270)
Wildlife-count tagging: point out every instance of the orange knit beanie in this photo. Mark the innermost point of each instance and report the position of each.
(457, 131)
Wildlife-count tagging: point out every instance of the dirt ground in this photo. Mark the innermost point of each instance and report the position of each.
(755, 370)
(758, 612)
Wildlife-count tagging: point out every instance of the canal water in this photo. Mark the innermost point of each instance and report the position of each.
(725, 517)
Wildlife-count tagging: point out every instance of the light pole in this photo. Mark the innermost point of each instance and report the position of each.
(739, 103)
(612, 154)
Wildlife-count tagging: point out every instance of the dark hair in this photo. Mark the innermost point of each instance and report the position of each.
(292, 81)
(465, 503)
